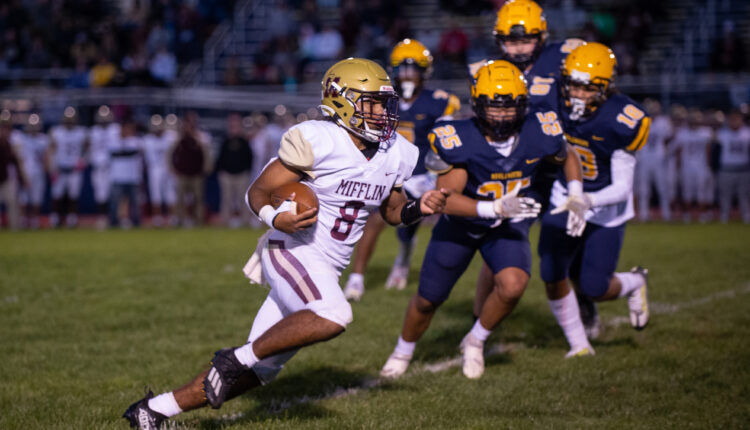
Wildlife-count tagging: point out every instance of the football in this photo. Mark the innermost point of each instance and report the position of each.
(304, 196)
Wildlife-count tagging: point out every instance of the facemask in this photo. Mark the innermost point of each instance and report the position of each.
(578, 108)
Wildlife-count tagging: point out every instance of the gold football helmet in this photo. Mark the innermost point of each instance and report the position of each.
(499, 84)
(357, 93)
(591, 67)
(519, 20)
(410, 65)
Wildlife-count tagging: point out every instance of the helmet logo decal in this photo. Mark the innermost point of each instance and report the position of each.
(331, 87)
(386, 88)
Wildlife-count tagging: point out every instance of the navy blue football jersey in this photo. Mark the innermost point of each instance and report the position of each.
(416, 121)
(619, 123)
(491, 174)
(548, 64)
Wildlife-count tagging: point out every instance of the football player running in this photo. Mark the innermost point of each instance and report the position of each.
(488, 162)
(356, 164)
(419, 108)
(521, 36)
(606, 128)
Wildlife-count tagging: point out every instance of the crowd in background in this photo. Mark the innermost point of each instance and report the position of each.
(135, 43)
(695, 166)
(146, 43)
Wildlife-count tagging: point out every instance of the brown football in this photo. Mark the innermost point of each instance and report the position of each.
(303, 195)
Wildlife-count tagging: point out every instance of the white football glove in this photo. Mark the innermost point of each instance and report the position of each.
(576, 205)
(512, 206)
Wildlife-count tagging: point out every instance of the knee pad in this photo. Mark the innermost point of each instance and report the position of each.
(594, 284)
(338, 311)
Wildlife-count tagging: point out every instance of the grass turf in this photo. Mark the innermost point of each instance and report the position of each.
(87, 319)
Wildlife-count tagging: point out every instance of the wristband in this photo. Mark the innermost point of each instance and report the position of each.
(267, 213)
(411, 212)
(486, 209)
(575, 187)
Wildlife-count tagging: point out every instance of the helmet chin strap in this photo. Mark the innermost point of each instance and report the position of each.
(578, 108)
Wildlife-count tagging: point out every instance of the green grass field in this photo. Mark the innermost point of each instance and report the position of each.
(88, 319)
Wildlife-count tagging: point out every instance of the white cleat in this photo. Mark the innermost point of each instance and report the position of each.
(638, 301)
(580, 351)
(354, 289)
(395, 366)
(397, 278)
(594, 328)
(473, 356)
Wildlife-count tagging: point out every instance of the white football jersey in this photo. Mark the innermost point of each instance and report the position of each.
(68, 145)
(100, 137)
(33, 147)
(156, 148)
(735, 148)
(693, 144)
(653, 150)
(349, 187)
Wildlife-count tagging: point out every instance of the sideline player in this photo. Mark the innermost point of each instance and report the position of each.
(521, 36)
(650, 170)
(606, 128)
(101, 137)
(734, 166)
(34, 144)
(486, 161)
(161, 188)
(419, 108)
(356, 164)
(692, 144)
(68, 145)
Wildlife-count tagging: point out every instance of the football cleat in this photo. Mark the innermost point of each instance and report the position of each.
(473, 356)
(225, 370)
(580, 352)
(397, 278)
(589, 316)
(141, 416)
(395, 366)
(354, 289)
(638, 301)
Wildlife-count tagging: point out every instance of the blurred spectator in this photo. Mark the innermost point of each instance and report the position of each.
(163, 66)
(234, 163)
(650, 172)
(454, 44)
(734, 166)
(102, 73)
(190, 162)
(728, 55)
(9, 160)
(126, 172)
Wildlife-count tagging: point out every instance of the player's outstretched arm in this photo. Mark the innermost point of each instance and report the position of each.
(273, 176)
(398, 209)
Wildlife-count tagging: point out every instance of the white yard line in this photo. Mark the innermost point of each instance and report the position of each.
(672, 308)
(440, 366)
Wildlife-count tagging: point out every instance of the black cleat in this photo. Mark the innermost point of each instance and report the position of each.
(222, 376)
(589, 316)
(142, 417)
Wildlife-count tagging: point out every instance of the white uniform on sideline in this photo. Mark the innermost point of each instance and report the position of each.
(161, 183)
(100, 138)
(303, 269)
(696, 181)
(734, 171)
(651, 169)
(33, 147)
(69, 145)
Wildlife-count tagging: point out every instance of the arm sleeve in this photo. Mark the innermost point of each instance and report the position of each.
(296, 151)
(623, 168)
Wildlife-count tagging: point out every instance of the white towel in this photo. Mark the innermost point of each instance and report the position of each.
(253, 269)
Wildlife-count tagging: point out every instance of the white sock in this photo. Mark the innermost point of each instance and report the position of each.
(568, 316)
(246, 355)
(405, 348)
(629, 281)
(165, 404)
(480, 333)
(356, 277)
